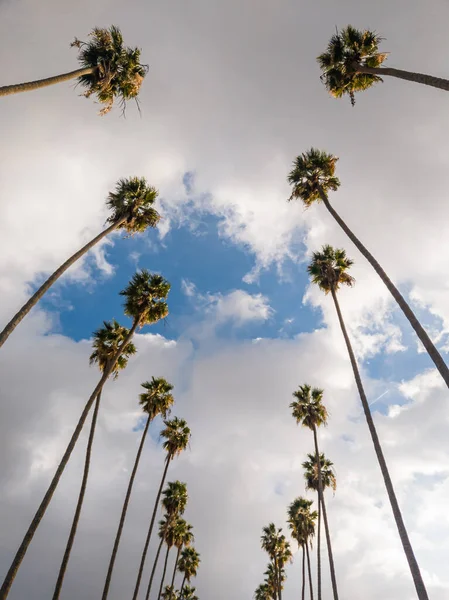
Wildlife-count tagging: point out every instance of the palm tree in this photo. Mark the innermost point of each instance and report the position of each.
(173, 537)
(263, 592)
(145, 303)
(278, 549)
(164, 525)
(169, 593)
(329, 270)
(188, 565)
(352, 63)
(189, 593)
(156, 400)
(106, 342)
(301, 521)
(183, 537)
(177, 437)
(312, 177)
(108, 70)
(132, 211)
(308, 410)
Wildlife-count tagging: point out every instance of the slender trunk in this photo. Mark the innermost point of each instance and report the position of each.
(31, 303)
(310, 572)
(150, 530)
(418, 328)
(124, 511)
(318, 549)
(303, 589)
(279, 572)
(408, 550)
(183, 584)
(436, 82)
(76, 517)
(326, 526)
(164, 572)
(176, 566)
(29, 86)
(20, 554)
(153, 570)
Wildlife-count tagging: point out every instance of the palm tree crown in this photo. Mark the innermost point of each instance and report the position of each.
(188, 593)
(169, 593)
(133, 199)
(313, 173)
(328, 477)
(348, 50)
(177, 436)
(301, 520)
(175, 498)
(328, 269)
(157, 398)
(263, 592)
(308, 408)
(182, 536)
(189, 563)
(106, 343)
(117, 70)
(145, 297)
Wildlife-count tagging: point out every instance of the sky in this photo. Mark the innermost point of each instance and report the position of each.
(232, 96)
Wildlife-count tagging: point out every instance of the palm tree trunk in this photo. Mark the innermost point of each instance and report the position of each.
(176, 566)
(408, 550)
(318, 550)
(326, 525)
(183, 584)
(150, 530)
(310, 571)
(418, 328)
(303, 589)
(20, 554)
(153, 570)
(76, 517)
(7, 90)
(279, 574)
(164, 572)
(436, 82)
(124, 511)
(31, 303)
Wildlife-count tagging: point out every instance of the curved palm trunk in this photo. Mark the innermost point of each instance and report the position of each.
(124, 511)
(153, 570)
(164, 572)
(408, 550)
(150, 530)
(418, 328)
(76, 517)
(310, 571)
(318, 550)
(303, 589)
(326, 525)
(31, 303)
(436, 82)
(176, 566)
(20, 554)
(29, 86)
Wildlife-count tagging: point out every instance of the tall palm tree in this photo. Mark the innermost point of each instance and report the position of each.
(157, 399)
(329, 270)
(352, 63)
(177, 437)
(108, 70)
(188, 593)
(278, 549)
(183, 537)
(132, 211)
(308, 410)
(301, 521)
(312, 177)
(272, 580)
(188, 565)
(106, 342)
(145, 304)
(173, 537)
(164, 525)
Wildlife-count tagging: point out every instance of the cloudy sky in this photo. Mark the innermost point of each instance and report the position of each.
(232, 96)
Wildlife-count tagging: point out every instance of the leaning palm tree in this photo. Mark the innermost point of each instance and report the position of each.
(164, 526)
(329, 270)
(301, 521)
(177, 437)
(312, 177)
(352, 63)
(145, 302)
(173, 537)
(183, 537)
(108, 70)
(278, 549)
(132, 211)
(106, 342)
(157, 399)
(308, 410)
(188, 566)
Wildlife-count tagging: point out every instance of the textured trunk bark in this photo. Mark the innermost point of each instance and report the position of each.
(408, 550)
(310, 572)
(436, 82)
(31, 303)
(153, 570)
(124, 511)
(318, 550)
(163, 573)
(326, 525)
(303, 588)
(20, 554)
(176, 566)
(150, 530)
(419, 330)
(7, 90)
(79, 506)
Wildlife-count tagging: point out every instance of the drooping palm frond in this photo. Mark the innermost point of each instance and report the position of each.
(301, 520)
(106, 342)
(189, 562)
(328, 269)
(175, 498)
(328, 476)
(157, 398)
(145, 297)
(177, 436)
(308, 408)
(133, 199)
(313, 173)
